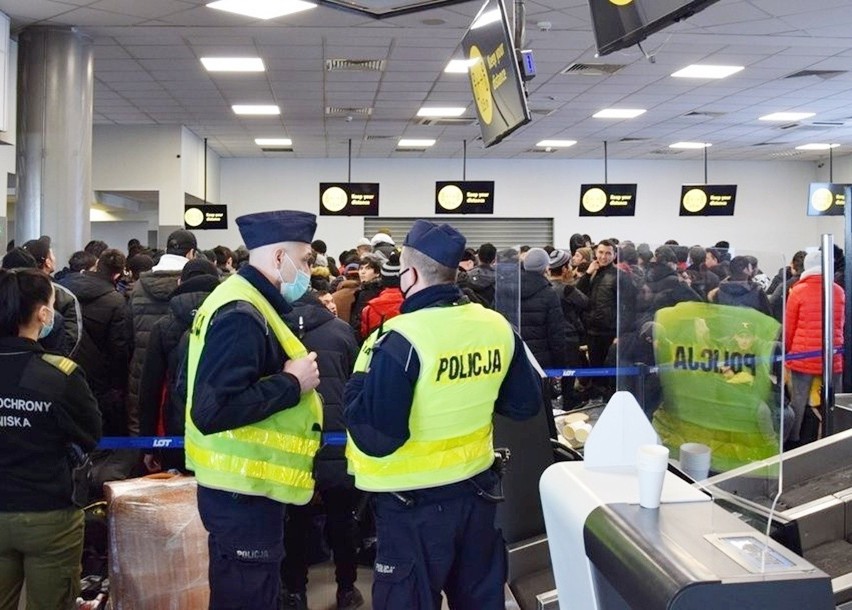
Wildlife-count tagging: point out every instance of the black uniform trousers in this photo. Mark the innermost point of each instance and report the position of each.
(444, 540)
(246, 543)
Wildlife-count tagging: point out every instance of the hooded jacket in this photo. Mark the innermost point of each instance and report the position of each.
(383, 307)
(481, 280)
(662, 288)
(149, 302)
(344, 298)
(803, 332)
(104, 351)
(741, 293)
(166, 351)
(66, 304)
(542, 320)
(336, 347)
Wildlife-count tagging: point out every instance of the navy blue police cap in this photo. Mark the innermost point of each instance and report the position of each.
(441, 243)
(264, 228)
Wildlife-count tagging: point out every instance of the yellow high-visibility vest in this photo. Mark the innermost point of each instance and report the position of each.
(464, 352)
(272, 458)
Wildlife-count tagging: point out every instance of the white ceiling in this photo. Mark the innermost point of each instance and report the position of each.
(147, 72)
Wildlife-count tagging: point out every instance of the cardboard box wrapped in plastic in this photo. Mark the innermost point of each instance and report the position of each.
(157, 545)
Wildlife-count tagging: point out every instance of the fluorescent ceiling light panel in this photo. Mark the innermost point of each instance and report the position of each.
(486, 18)
(273, 141)
(255, 109)
(262, 9)
(817, 146)
(441, 111)
(233, 64)
(690, 145)
(556, 143)
(459, 66)
(787, 116)
(706, 71)
(414, 143)
(619, 113)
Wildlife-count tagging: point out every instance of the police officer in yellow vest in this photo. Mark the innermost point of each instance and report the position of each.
(419, 411)
(253, 416)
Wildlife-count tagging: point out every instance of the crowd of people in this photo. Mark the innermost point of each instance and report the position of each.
(108, 338)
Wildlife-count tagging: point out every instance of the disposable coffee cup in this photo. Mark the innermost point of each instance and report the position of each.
(695, 460)
(651, 465)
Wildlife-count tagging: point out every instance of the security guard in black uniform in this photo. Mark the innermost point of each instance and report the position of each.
(419, 411)
(48, 420)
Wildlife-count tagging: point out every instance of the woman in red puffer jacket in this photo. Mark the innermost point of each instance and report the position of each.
(803, 333)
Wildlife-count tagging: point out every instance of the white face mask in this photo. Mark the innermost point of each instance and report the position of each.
(294, 290)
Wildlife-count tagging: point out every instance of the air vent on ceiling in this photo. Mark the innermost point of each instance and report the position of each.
(433, 121)
(410, 150)
(592, 69)
(808, 126)
(703, 114)
(766, 144)
(281, 149)
(823, 74)
(360, 113)
(664, 152)
(787, 154)
(547, 151)
(377, 138)
(634, 139)
(363, 65)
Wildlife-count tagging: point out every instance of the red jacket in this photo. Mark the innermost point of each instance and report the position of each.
(804, 323)
(381, 308)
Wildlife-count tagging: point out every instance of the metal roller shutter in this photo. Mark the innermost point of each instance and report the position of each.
(502, 232)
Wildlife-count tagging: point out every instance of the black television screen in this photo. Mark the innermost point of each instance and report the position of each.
(501, 104)
(619, 24)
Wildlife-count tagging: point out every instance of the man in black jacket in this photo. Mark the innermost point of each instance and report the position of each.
(166, 352)
(149, 302)
(602, 283)
(336, 348)
(542, 321)
(104, 351)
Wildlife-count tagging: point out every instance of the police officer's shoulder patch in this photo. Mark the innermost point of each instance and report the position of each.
(66, 365)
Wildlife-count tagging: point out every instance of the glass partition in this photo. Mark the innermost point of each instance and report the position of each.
(700, 344)
(507, 286)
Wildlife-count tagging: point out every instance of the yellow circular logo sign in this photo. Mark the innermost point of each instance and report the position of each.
(193, 217)
(594, 200)
(620, 2)
(450, 197)
(481, 85)
(694, 200)
(822, 199)
(334, 199)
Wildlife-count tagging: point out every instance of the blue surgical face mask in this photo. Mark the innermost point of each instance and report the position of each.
(47, 328)
(294, 290)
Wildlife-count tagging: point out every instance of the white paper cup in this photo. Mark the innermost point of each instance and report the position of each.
(695, 460)
(651, 465)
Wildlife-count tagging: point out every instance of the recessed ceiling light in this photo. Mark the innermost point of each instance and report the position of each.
(706, 71)
(255, 109)
(262, 9)
(233, 64)
(441, 111)
(787, 116)
(690, 145)
(459, 66)
(619, 113)
(556, 143)
(817, 146)
(273, 141)
(414, 143)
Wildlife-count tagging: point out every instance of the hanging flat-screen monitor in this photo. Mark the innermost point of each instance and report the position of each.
(501, 104)
(619, 24)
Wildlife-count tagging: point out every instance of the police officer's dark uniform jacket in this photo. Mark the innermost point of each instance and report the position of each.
(45, 406)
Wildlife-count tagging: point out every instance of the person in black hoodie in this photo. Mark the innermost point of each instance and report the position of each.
(481, 278)
(573, 303)
(336, 348)
(160, 399)
(104, 351)
(48, 415)
(739, 289)
(542, 320)
(662, 287)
